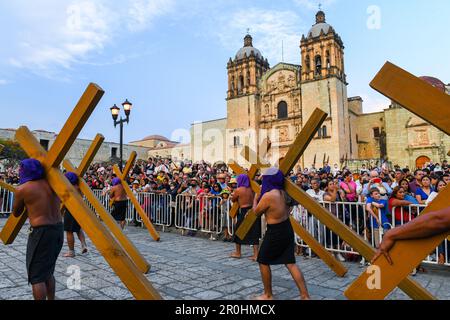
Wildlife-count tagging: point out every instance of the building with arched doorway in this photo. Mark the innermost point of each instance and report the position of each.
(276, 102)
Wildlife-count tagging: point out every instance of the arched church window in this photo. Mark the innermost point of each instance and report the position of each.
(318, 62)
(282, 110)
(324, 132)
(241, 84)
(319, 133)
(328, 60)
(248, 78)
(308, 64)
(236, 141)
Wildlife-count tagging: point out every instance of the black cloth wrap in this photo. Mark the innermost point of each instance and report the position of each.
(43, 247)
(120, 210)
(278, 246)
(254, 234)
(70, 224)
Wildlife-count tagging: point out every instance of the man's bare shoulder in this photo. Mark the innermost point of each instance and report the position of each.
(273, 194)
(33, 186)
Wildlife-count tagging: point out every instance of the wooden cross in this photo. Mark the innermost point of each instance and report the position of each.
(251, 173)
(123, 176)
(290, 160)
(13, 224)
(409, 286)
(127, 245)
(106, 244)
(105, 216)
(433, 106)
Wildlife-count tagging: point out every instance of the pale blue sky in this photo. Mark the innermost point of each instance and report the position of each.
(169, 57)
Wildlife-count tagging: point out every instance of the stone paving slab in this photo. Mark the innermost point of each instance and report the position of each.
(186, 268)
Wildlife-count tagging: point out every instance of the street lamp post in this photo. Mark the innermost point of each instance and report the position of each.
(115, 110)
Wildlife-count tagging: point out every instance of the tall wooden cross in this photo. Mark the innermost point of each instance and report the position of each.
(105, 216)
(433, 106)
(127, 245)
(251, 172)
(123, 177)
(106, 244)
(409, 286)
(292, 157)
(13, 224)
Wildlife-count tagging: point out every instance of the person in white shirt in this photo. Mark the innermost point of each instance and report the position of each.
(335, 170)
(315, 191)
(317, 195)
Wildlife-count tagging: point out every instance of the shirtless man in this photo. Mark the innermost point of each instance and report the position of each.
(278, 246)
(46, 234)
(244, 196)
(119, 198)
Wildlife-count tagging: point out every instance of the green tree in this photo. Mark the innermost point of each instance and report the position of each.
(12, 153)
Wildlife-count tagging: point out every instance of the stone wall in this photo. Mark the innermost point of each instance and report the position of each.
(208, 141)
(80, 147)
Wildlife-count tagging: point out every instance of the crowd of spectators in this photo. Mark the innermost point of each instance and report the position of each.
(380, 189)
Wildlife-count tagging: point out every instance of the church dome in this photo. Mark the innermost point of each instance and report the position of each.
(435, 82)
(320, 26)
(248, 49)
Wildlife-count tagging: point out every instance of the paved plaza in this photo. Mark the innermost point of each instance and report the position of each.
(189, 268)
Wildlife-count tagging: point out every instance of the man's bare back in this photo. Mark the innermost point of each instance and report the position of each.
(42, 204)
(273, 205)
(244, 196)
(117, 193)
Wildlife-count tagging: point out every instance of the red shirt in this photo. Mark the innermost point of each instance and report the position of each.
(398, 212)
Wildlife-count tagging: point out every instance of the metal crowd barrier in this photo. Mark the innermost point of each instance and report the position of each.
(357, 218)
(6, 201)
(206, 214)
(200, 213)
(156, 206)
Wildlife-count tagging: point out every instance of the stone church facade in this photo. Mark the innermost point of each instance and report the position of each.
(263, 100)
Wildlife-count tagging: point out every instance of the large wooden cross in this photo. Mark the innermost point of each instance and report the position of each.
(293, 155)
(106, 244)
(13, 225)
(123, 177)
(433, 106)
(105, 216)
(409, 286)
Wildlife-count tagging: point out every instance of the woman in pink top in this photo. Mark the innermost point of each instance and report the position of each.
(349, 186)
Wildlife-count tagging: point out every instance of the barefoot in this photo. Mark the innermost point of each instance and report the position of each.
(253, 258)
(235, 255)
(69, 254)
(305, 297)
(264, 297)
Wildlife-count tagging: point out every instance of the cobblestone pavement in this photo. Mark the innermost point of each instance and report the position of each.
(190, 268)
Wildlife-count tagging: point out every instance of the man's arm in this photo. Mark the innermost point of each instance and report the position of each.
(262, 206)
(425, 226)
(235, 195)
(388, 188)
(19, 203)
(111, 192)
